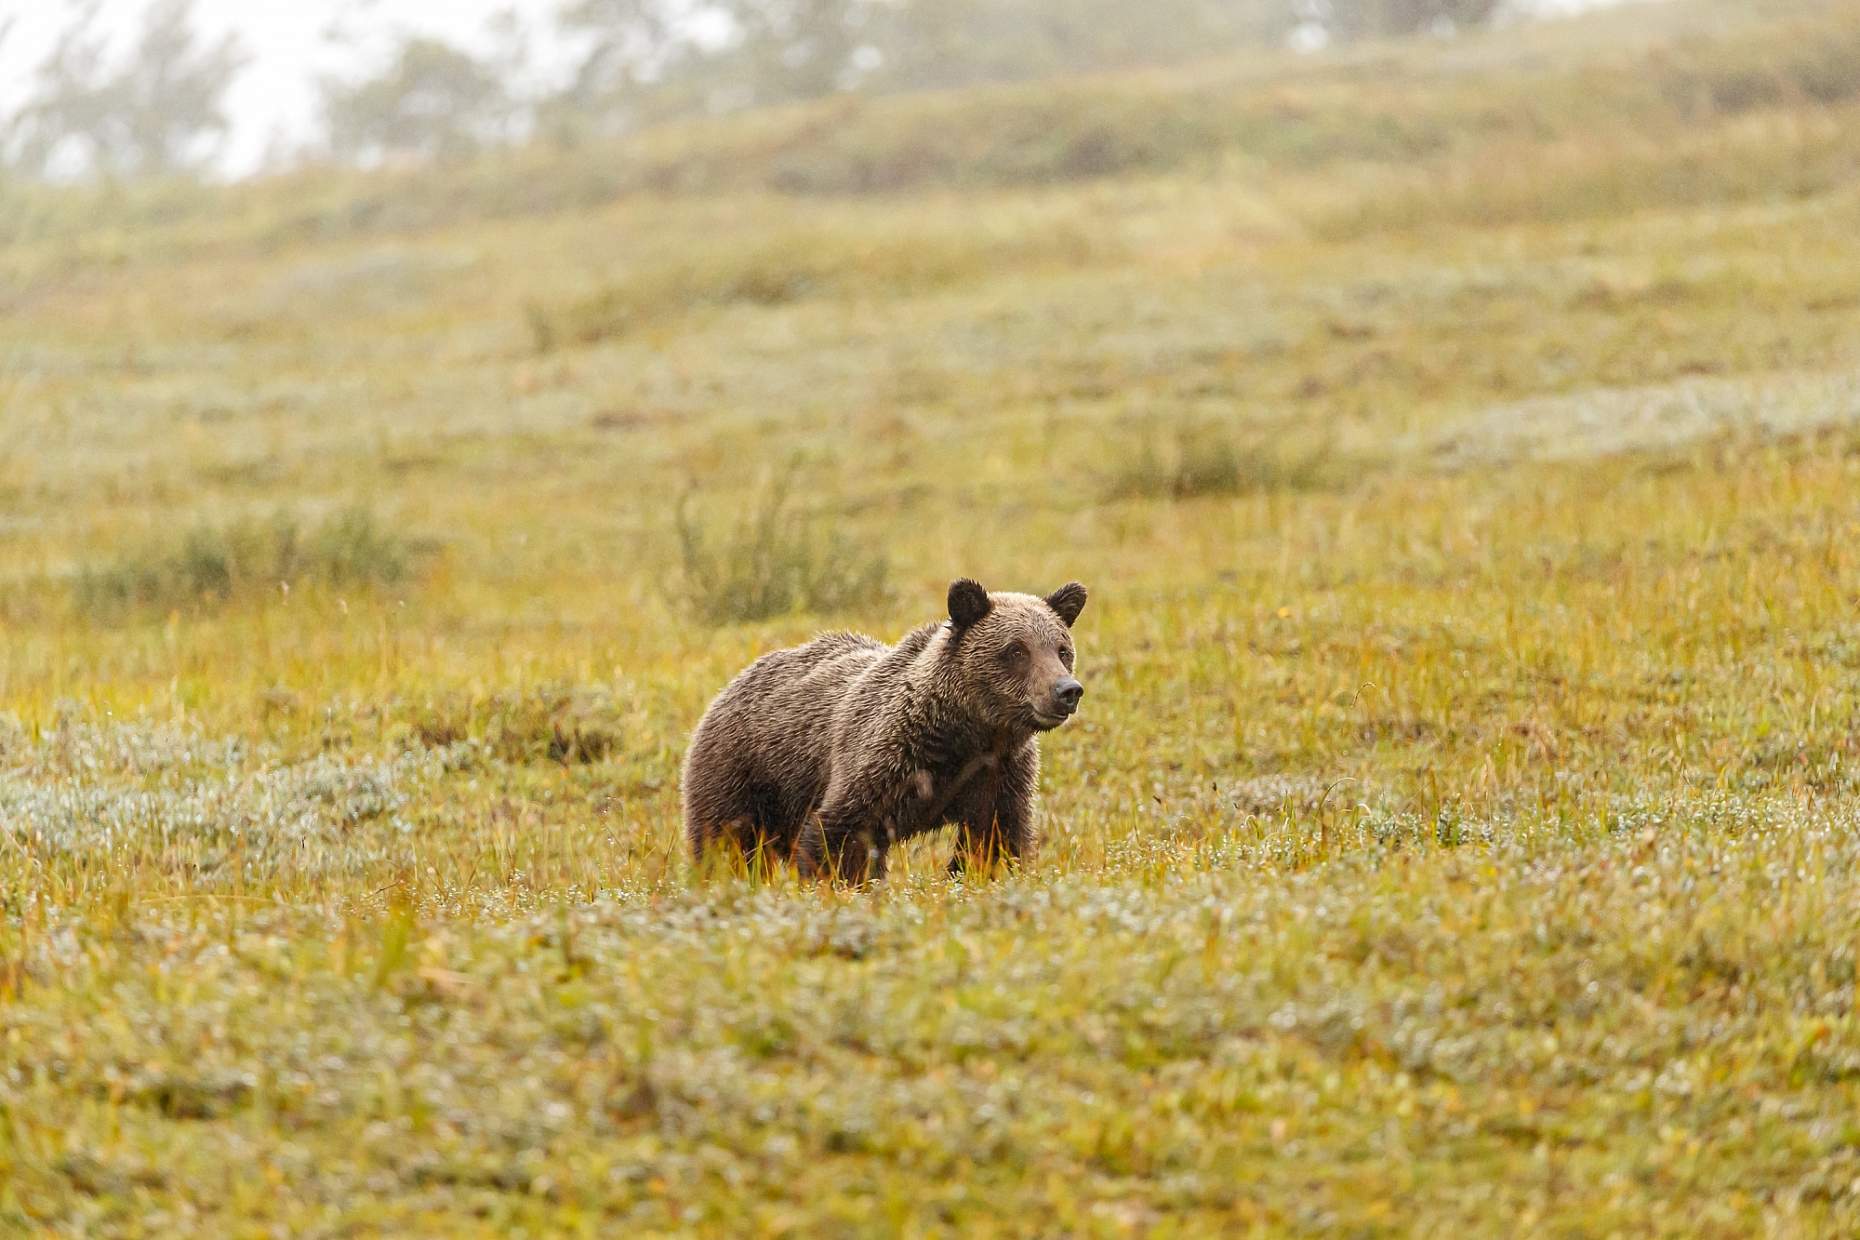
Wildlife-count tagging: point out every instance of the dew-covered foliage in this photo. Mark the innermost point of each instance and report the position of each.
(124, 796)
(1461, 833)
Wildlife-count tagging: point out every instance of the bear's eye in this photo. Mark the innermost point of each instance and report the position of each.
(1014, 653)
(1065, 656)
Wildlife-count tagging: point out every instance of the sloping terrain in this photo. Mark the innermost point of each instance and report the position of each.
(1461, 830)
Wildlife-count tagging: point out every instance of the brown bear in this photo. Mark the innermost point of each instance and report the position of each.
(831, 752)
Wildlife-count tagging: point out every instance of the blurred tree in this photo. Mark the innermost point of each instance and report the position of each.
(930, 44)
(641, 61)
(432, 99)
(1357, 19)
(158, 111)
(796, 49)
(652, 58)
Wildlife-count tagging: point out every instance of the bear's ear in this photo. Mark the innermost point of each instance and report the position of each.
(968, 602)
(1067, 601)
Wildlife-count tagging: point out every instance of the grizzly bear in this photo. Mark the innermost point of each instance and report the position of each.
(829, 753)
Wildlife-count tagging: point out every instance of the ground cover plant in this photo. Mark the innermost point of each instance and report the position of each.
(1462, 828)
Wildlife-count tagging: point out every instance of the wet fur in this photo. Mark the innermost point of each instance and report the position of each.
(829, 753)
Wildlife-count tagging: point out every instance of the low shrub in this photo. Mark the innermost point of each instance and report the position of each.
(215, 564)
(774, 560)
(568, 724)
(1202, 459)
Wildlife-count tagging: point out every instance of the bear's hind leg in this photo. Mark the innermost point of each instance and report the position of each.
(723, 812)
(846, 845)
(750, 826)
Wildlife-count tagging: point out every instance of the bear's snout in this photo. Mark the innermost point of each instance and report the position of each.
(1066, 695)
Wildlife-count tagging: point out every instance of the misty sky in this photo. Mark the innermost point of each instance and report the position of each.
(273, 103)
(289, 44)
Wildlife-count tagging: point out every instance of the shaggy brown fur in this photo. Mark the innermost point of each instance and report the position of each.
(831, 752)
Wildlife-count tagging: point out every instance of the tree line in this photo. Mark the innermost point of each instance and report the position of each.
(159, 107)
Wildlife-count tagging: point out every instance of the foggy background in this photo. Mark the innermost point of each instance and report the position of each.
(226, 89)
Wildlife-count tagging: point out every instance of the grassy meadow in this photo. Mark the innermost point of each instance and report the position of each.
(1460, 440)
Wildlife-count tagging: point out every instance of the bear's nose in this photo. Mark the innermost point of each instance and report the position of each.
(1067, 693)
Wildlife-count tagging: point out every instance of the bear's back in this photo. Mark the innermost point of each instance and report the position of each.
(787, 698)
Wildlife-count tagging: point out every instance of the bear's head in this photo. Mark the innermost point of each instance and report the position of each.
(1014, 654)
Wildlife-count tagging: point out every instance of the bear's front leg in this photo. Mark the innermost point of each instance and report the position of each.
(994, 816)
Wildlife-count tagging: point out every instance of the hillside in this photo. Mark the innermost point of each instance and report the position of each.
(1461, 441)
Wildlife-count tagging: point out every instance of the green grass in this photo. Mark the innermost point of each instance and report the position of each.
(1460, 831)
(214, 565)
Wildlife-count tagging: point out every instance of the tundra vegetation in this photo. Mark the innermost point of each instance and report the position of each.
(1462, 828)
